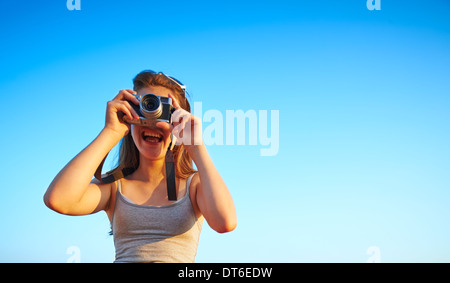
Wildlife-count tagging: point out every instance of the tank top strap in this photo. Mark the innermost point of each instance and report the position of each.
(188, 184)
(119, 186)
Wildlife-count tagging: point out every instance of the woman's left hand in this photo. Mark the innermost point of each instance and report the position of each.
(187, 128)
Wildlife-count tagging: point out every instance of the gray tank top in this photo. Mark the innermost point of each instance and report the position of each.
(167, 233)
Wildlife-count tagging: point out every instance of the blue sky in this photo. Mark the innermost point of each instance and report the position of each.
(363, 99)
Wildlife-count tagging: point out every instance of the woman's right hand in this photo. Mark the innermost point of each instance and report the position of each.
(119, 107)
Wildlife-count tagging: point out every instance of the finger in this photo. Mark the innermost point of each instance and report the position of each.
(127, 94)
(120, 108)
(131, 109)
(164, 126)
(185, 118)
(177, 115)
(181, 125)
(126, 110)
(131, 96)
(120, 95)
(124, 107)
(174, 102)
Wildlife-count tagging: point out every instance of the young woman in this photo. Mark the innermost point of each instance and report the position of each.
(146, 225)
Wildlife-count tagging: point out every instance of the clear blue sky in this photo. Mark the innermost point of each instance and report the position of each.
(363, 99)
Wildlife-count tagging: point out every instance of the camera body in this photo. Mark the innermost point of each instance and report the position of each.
(152, 109)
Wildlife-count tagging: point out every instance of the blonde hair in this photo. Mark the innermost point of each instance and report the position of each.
(128, 152)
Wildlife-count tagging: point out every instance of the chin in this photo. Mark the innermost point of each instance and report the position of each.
(153, 154)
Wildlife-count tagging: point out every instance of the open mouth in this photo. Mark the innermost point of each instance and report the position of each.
(151, 137)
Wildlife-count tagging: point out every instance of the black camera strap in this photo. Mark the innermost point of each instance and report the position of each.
(113, 176)
(119, 174)
(170, 176)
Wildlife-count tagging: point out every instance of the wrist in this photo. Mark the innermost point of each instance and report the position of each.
(196, 151)
(112, 134)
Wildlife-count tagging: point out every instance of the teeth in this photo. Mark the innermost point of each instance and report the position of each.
(151, 135)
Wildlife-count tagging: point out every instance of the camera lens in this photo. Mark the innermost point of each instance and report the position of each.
(150, 102)
(151, 106)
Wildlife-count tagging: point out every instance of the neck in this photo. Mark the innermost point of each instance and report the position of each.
(151, 170)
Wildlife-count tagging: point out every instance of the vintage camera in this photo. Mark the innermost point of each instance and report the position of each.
(152, 109)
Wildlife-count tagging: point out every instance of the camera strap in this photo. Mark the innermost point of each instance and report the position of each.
(119, 174)
(170, 176)
(113, 176)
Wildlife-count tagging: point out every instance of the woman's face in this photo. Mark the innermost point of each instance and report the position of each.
(152, 142)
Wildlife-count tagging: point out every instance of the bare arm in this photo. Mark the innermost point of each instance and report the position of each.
(72, 191)
(212, 196)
